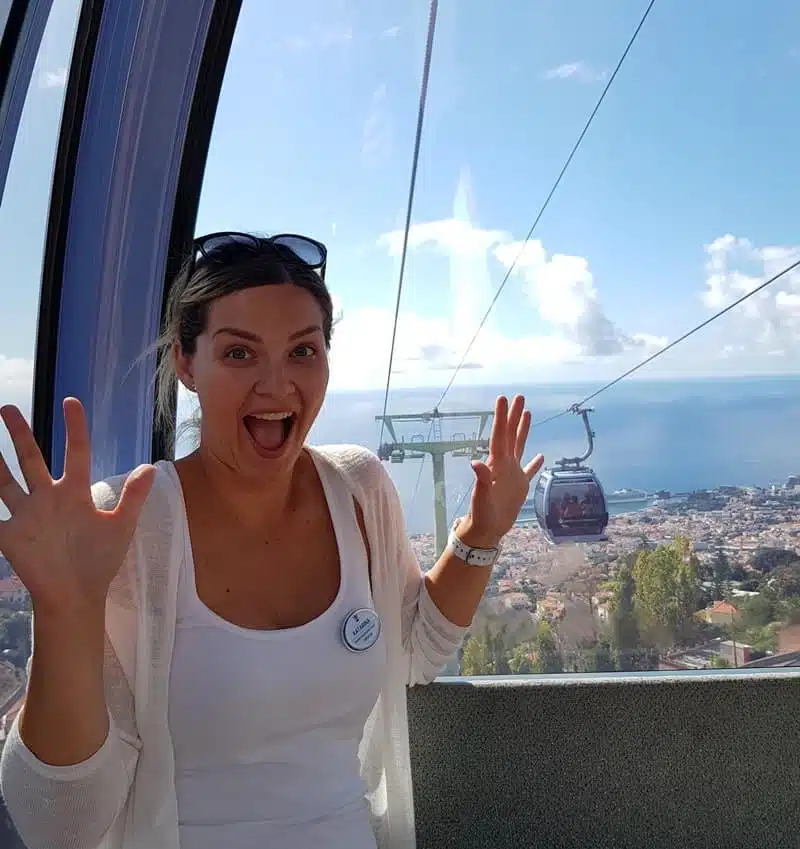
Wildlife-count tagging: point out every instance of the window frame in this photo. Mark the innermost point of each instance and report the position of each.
(122, 212)
(21, 41)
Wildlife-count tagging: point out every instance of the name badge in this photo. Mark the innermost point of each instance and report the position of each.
(361, 629)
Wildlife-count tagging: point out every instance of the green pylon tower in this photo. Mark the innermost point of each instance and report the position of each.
(398, 450)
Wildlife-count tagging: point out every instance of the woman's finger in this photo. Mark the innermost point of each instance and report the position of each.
(483, 473)
(11, 493)
(31, 462)
(523, 429)
(77, 460)
(514, 415)
(498, 440)
(533, 467)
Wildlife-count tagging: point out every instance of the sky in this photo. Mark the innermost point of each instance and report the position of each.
(682, 197)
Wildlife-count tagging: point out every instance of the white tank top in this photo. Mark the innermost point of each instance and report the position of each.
(266, 724)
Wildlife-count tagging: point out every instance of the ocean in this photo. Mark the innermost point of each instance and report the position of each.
(678, 435)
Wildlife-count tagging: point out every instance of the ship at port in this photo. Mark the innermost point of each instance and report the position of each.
(627, 496)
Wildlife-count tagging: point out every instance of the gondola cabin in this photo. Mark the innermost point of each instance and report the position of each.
(570, 506)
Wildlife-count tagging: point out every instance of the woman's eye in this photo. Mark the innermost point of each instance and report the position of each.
(304, 351)
(237, 353)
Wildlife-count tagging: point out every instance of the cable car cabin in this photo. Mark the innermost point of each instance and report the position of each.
(570, 506)
(398, 455)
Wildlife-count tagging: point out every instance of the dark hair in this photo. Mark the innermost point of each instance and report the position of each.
(196, 287)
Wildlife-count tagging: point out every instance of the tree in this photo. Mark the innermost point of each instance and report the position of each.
(600, 657)
(738, 573)
(768, 559)
(475, 659)
(705, 598)
(721, 574)
(719, 662)
(485, 654)
(622, 616)
(785, 581)
(791, 610)
(763, 639)
(15, 636)
(548, 658)
(521, 659)
(666, 592)
(498, 658)
(758, 611)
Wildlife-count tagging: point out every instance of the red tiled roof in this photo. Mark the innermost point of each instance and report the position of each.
(723, 607)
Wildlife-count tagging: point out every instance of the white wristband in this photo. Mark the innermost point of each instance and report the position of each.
(471, 556)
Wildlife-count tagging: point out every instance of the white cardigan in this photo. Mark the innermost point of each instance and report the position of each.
(123, 796)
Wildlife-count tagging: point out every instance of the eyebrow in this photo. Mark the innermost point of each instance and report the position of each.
(254, 337)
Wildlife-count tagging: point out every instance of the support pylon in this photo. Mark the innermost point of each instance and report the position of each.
(398, 450)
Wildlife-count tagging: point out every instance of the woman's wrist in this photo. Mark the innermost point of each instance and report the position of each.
(475, 537)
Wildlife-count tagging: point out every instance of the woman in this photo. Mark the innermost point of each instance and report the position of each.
(222, 643)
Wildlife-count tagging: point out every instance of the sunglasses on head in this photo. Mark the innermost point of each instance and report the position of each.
(216, 247)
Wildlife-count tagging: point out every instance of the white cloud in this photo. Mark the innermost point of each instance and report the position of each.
(427, 346)
(466, 246)
(768, 322)
(391, 32)
(450, 235)
(647, 340)
(560, 289)
(360, 348)
(53, 79)
(579, 71)
(468, 249)
(16, 380)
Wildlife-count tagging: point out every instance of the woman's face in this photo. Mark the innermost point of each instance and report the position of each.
(260, 372)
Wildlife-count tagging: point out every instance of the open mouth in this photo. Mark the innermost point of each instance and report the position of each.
(269, 431)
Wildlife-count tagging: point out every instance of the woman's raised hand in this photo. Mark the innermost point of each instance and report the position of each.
(64, 549)
(502, 482)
